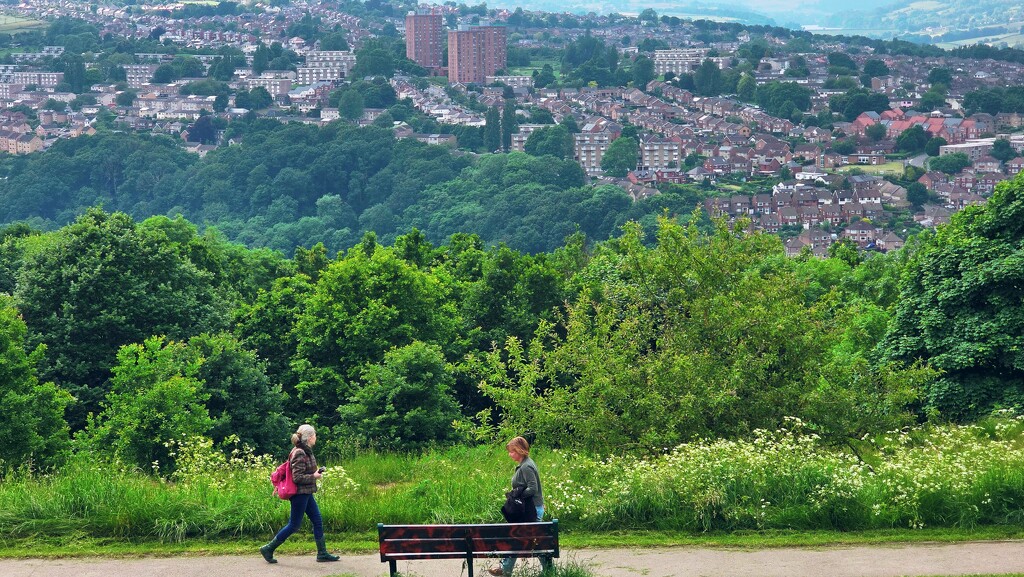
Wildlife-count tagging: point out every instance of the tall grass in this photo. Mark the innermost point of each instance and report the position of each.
(950, 476)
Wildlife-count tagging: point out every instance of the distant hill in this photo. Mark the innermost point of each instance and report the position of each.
(938, 21)
(748, 11)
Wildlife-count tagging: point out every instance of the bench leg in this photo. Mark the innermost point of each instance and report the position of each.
(394, 567)
(469, 565)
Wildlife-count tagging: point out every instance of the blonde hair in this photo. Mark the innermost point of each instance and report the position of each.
(303, 435)
(520, 446)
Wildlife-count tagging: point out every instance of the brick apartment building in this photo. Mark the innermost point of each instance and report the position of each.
(476, 52)
(423, 38)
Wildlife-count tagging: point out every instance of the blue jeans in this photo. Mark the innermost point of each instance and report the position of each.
(303, 505)
(508, 563)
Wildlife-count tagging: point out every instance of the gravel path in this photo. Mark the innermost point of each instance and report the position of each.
(993, 557)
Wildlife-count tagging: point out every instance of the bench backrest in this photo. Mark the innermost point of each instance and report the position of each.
(401, 542)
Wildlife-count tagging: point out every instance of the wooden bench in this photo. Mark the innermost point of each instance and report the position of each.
(406, 542)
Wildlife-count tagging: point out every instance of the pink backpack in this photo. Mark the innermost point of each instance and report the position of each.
(284, 486)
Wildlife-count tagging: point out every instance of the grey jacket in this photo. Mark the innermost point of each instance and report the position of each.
(526, 476)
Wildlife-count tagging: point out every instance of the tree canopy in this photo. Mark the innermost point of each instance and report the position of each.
(960, 308)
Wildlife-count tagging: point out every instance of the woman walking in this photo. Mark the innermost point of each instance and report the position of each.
(305, 474)
(526, 478)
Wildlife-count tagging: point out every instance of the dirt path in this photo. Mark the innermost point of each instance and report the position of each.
(895, 561)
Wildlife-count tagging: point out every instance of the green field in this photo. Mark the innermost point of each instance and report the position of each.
(14, 24)
(895, 167)
(869, 32)
(1012, 39)
(536, 65)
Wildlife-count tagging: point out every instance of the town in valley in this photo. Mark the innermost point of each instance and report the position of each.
(819, 139)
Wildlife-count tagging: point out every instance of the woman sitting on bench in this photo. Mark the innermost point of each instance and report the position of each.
(526, 477)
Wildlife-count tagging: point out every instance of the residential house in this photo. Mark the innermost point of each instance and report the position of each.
(986, 164)
(1014, 167)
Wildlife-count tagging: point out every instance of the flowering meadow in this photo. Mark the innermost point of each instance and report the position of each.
(935, 476)
(950, 476)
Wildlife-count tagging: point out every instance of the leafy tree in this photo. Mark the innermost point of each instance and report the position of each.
(912, 139)
(844, 147)
(362, 306)
(912, 173)
(1002, 150)
(492, 129)
(932, 100)
(509, 294)
(988, 101)
(949, 163)
(545, 77)
(374, 59)
(746, 88)
(222, 69)
(509, 123)
(384, 120)
(875, 67)
(125, 98)
(267, 327)
(283, 62)
(405, 401)
(554, 141)
(242, 401)
(165, 74)
(260, 98)
(707, 79)
(917, 194)
(260, 59)
(72, 64)
(203, 130)
(377, 93)
(569, 122)
(188, 67)
(99, 284)
(875, 132)
(35, 430)
(843, 61)
(933, 146)
(858, 100)
(208, 87)
(960, 308)
(781, 98)
(643, 71)
(634, 366)
(334, 41)
(350, 105)
(648, 16)
(153, 401)
(940, 76)
(621, 157)
(82, 100)
(753, 52)
(541, 116)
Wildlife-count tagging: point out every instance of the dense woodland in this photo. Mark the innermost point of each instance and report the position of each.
(286, 186)
(128, 335)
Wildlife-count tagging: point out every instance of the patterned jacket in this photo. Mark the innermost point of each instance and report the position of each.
(303, 465)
